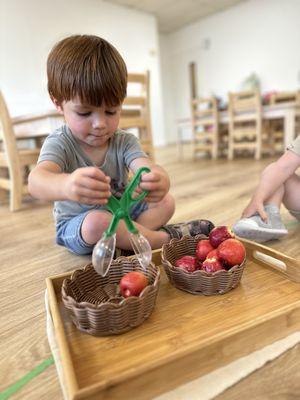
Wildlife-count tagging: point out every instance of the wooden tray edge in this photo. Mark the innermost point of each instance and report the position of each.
(63, 346)
(268, 257)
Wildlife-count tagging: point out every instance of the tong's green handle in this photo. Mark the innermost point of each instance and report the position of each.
(113, 204)
(120, 208)
(127, 200)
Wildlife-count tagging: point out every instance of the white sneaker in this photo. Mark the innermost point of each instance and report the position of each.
(254, 228)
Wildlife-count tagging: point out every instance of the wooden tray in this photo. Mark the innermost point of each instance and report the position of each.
(270, 257)
(288, 245)
(185, 337)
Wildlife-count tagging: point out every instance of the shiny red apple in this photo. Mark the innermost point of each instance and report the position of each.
(232, 252)
(133, 283)
(211, 265)
(213, 253)
(188, 263)
(219, 234)
(202, 249)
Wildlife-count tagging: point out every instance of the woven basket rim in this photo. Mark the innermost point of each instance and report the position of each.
(185, 238)
(86, 305)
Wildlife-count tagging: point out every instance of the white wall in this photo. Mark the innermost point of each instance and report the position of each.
(254, 36)
(28, 30)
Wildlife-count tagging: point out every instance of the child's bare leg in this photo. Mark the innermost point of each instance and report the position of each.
(276, 197)
(158, 214)
(291, 198)
(96, 222)
(155, 238)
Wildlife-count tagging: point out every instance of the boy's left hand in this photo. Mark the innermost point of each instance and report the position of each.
(157, 183)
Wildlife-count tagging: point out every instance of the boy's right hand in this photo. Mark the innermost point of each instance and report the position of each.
(255, 206)
(88, 185)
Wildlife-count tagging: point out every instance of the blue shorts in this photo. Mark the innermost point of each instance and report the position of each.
(68, 232)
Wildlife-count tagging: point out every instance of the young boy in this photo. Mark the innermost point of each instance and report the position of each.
(278, 184)
(86, 160)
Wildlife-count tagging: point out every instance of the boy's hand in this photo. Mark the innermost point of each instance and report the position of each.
(253, 207)
(88, 185)
(157, 183)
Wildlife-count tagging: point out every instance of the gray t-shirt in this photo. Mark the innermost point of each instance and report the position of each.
(62, 148)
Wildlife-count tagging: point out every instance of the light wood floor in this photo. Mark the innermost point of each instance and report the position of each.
(216, 190)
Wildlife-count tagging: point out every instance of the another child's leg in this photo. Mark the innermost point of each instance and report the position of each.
(288, 194)
(291, 198)
(276, 197)
(254, 228)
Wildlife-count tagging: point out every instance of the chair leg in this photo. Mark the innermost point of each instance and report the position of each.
(215, 146)
(16, 190)
(230, 143)
(15, 199)
(3, 195)
(194, 145)
(258, 150)
(230, 150)
(3, 191)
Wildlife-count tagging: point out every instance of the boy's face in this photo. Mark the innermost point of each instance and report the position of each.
(91, 125)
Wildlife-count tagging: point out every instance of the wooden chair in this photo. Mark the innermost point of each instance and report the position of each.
(284, 97)
(15, 162)
(245, 123)
(135, 113)
(275, 127)
(205, 126)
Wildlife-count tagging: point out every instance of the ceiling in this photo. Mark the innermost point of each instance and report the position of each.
(174, 14)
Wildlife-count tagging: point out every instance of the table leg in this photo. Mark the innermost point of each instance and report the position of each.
(289, 127)
(179, 143)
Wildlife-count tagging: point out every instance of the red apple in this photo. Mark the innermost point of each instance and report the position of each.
(188, 263)
(232, 251)
(202, 249)
(213, 253)
(133, 283)
(219, 234)
(211, 265)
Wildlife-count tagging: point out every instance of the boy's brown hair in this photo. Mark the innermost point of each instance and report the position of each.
(89, 67)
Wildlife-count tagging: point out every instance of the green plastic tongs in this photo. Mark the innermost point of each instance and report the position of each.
(105, 248)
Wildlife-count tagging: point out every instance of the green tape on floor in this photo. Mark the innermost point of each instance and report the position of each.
(291, 223)
(12, 389)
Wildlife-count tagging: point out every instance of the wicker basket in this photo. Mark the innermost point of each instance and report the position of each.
(94, 302)
(199, 281)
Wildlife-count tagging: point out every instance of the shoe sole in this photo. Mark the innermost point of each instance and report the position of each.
(258, 234)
